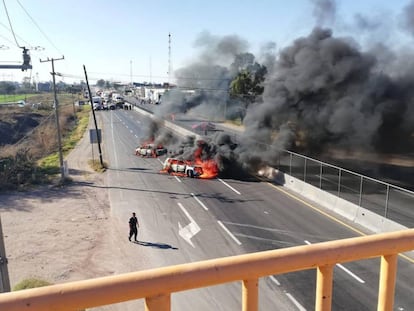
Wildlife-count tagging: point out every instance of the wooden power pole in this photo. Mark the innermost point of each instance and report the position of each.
(53, 73)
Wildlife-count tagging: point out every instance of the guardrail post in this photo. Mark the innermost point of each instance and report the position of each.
(161, 302)
(387, 282)
(320, 175)
(324, 277)
(386, 201)
(339, 182)
(360, 191)
(304, 170)
(250, 292)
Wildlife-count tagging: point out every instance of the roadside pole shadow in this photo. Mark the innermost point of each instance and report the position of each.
(156, 245)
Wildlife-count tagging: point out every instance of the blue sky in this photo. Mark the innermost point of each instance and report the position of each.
(114, 38)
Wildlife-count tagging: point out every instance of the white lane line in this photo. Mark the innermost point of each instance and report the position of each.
(274, 280)
(199, 202)
(178, 179)
(190, 230)
(115, 154)
(228, 186)
(351, 273)
(345, 269)
(295, 302)
(229, 233)
(186, 213)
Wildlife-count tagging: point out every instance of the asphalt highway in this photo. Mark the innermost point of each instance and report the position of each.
(230, 217)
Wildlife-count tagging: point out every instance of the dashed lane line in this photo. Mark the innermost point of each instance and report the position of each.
(226, 184)
(229, 233)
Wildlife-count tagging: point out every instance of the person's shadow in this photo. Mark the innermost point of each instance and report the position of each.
(155, 245)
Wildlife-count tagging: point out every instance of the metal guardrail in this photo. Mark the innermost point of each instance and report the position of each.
(387, 200)
(157, 285)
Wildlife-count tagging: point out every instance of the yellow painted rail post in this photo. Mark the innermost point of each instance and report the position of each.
(387, 282)
(250, 295)
(161, 302)
(324, 279)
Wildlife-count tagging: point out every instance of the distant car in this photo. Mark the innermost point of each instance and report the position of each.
(204, 127)
(111, 106)
(150, 150)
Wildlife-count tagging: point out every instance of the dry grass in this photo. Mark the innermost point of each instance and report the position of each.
(97, 167)
(34, 157)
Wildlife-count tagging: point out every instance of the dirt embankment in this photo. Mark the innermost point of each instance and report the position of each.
(64, 233)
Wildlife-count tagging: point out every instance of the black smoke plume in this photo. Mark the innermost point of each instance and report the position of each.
(320, 93)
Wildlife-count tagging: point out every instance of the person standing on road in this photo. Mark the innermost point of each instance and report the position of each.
(133, 227)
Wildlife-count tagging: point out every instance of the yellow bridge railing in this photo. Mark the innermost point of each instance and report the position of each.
(157, 285)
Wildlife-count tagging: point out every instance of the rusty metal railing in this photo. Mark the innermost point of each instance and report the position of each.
(157, 285)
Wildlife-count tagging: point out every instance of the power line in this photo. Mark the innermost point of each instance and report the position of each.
(10, 41)
(41, 31)
(11, 27)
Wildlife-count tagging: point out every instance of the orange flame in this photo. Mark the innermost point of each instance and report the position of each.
(210, 168)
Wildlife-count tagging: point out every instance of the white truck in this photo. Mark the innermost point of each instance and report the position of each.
(182, 168)
(97, 103)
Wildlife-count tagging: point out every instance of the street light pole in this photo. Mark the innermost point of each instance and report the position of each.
(4, 273)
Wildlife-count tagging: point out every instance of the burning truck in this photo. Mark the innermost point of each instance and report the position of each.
(196, 164)
(174, 166)
(193, 169)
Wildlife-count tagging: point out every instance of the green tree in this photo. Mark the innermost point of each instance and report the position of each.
(7, 87)
(247, 86)
(101, 83)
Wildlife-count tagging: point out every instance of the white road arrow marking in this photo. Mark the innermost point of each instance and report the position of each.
(190, 230)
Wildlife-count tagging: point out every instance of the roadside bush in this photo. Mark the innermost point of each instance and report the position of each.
(30, 283)
(18, 170)
(34, 159)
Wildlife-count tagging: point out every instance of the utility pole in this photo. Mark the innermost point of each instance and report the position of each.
(169, 59)
(53, 73)
(130, 70)
(4, 274)
(94, 118)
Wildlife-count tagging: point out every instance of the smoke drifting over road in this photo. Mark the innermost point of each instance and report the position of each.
(320, 92)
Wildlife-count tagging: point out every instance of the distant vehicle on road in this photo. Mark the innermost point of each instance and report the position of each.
(182, 168)
(97, 103)
(204, 127)
(150, 150)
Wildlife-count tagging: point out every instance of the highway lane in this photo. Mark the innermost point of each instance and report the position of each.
(234, 217)
(136, 186)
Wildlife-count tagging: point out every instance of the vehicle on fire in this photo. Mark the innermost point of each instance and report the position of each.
(182, 168)
(150, 150)
(204, 127)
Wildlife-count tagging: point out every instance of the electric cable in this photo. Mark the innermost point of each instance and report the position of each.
(10, 24)
(38, 27)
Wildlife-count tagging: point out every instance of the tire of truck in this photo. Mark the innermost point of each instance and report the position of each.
(190, 174)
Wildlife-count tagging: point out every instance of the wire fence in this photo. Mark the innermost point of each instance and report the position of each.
(384, 199)
(387, 200)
